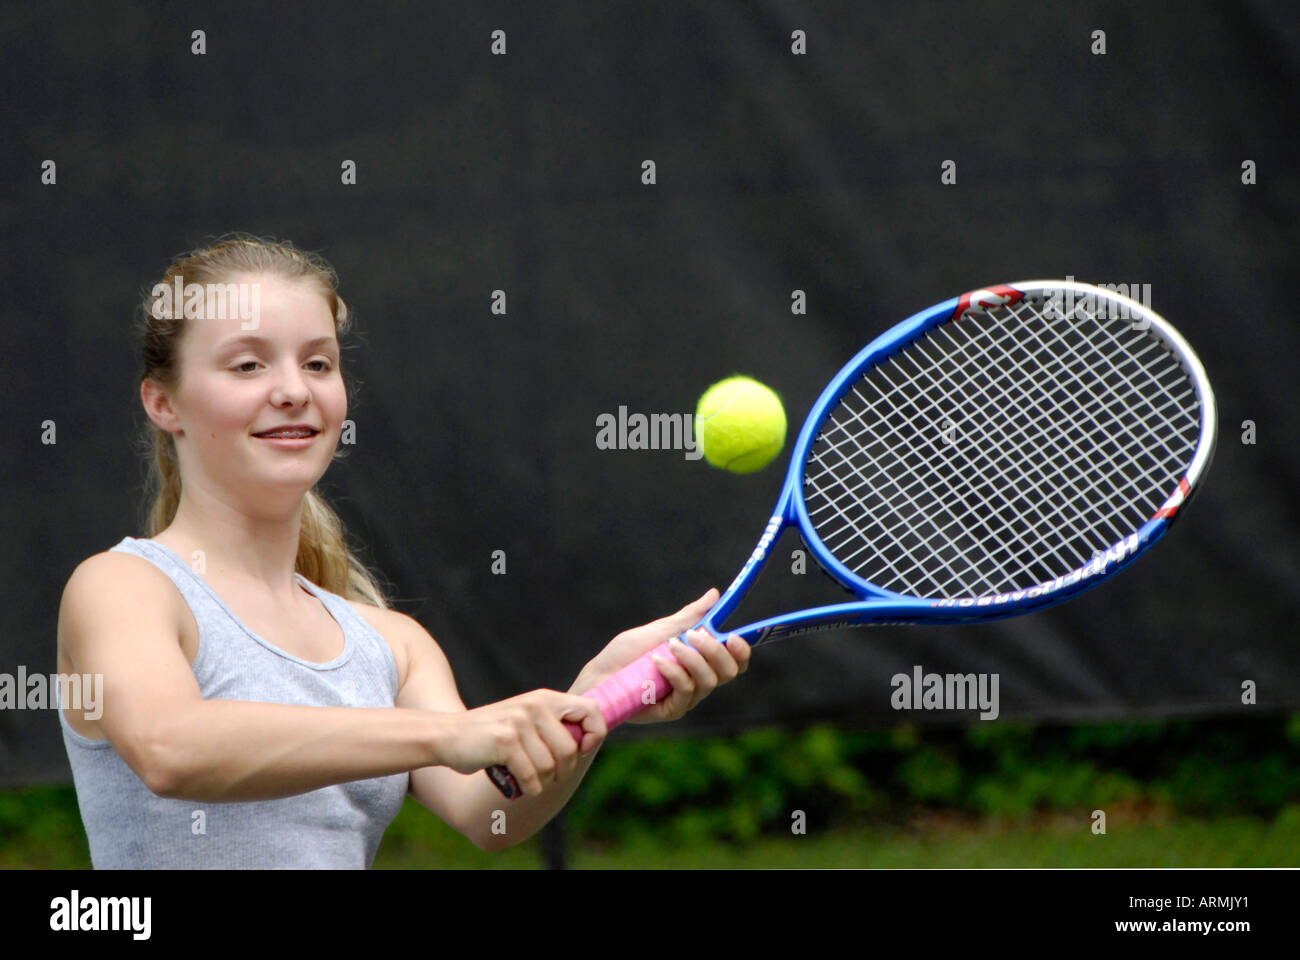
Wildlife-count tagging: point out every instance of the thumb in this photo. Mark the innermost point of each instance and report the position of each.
(689, 615)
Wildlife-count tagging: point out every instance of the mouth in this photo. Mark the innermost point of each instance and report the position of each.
(289, 439)
(303, 433)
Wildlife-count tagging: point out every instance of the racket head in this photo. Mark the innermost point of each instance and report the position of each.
(999, 452)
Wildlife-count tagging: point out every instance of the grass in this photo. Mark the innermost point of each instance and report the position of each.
(40, 828)
(1134, 838)
(1230, 842)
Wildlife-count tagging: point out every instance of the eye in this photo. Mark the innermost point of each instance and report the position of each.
(325, 365)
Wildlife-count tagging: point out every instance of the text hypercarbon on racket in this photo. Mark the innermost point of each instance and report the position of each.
(995, 454)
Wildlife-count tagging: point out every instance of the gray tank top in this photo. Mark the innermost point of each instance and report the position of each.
(336, 827)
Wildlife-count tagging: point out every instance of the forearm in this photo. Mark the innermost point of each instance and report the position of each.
(493, 822)
(228, 750)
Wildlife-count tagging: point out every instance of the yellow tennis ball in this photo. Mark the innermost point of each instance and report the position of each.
(740, 425)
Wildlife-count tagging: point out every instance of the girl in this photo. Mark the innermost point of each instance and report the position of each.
(263, 707)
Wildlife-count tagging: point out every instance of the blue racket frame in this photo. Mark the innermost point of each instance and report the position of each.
(876, 605)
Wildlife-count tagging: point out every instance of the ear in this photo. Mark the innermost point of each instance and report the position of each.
(158, 406)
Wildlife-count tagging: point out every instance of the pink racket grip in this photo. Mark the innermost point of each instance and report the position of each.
(623, 695)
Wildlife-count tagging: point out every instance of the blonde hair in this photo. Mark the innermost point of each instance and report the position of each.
(323, 554)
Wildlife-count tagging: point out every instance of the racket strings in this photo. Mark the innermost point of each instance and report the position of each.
(1133, 357)
(1000, 451)
(1094, 494)
(1096, 423)
(965, 489)
(1090, 491)
(1024, 479)
(1099, 432)
(927, 474)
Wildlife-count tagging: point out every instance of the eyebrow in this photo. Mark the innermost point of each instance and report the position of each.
(252, 338)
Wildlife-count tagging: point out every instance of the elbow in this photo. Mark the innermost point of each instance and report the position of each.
(161, 782)
(157, 764)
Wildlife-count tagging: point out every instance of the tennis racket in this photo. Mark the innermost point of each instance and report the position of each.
(995, 454)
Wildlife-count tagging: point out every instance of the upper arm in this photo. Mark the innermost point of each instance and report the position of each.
(118, 619)
(424, 676)
(430, 685)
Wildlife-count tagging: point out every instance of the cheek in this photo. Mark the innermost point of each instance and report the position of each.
(335, 401)
(227, 408)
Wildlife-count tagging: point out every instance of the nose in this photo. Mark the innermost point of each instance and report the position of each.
(291, 388)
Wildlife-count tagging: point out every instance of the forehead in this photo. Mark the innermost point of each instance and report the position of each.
(246, 310)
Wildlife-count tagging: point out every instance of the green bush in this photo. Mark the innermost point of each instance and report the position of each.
(41, 827)
(746, 786)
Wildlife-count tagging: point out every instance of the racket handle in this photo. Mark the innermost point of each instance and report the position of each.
(622, 695)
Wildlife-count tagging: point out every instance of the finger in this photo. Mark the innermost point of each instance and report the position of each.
(693, 612)
(719, 659)
(699, 667)
(520, 765)
(740, 651)
(703, 679)
(585, 712)
(539, 753)
(560, 743)
(570, 709)
(681, 681)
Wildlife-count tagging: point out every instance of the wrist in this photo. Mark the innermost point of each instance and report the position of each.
(587, 679)
(435, 738)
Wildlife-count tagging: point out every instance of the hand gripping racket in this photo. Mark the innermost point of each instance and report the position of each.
(993, 455)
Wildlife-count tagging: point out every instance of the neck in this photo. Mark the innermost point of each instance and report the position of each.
(259, 552)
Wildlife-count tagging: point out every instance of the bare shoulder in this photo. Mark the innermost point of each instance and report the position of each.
(114, 606)
(392, 625)
(424, 674)
(111, 578)
(411, 643)
(397, 629)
